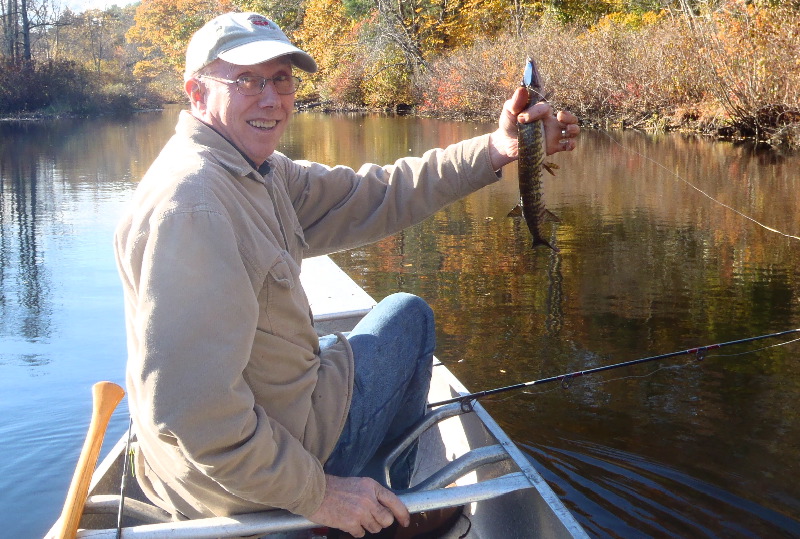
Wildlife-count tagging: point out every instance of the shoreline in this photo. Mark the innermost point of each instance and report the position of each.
(786, 137)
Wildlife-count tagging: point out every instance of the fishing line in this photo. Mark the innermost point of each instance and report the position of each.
(121, 507)
(756, 350)
(690, 184)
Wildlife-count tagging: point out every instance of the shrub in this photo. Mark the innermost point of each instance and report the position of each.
(57, 86)
(736, 67)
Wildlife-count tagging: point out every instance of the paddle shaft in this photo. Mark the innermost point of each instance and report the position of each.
(105, 397)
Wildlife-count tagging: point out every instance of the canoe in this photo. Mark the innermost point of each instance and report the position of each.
(465, 460)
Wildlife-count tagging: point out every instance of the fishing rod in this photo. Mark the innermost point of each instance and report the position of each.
(565, 378)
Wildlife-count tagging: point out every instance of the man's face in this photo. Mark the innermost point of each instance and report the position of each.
(253, 123)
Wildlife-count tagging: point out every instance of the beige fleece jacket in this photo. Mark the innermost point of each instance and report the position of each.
(233, 405)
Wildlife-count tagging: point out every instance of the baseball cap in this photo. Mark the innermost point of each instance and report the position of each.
(242, 39)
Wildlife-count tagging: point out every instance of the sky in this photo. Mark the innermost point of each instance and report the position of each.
(82, 5)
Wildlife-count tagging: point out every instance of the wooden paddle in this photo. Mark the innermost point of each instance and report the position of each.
(105, 397)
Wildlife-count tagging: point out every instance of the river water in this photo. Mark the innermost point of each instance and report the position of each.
(658, 252)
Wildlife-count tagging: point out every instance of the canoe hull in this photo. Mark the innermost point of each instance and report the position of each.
(505, 497)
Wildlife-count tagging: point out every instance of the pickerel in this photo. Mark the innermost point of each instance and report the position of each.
(531, 163)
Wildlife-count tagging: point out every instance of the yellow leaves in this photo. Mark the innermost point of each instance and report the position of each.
(163, 29)
(751, 42)
(628, 21)
(326, 29)
(327, 35)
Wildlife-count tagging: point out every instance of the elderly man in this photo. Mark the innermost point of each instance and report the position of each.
(238, 405)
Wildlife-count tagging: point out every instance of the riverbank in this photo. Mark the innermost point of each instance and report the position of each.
(731, 73)
(784, 138)
(787, 138)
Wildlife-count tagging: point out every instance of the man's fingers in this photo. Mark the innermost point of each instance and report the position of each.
(372, 526)
(567, 117)
(383, 517)
(518, 100)
(398, 509)
(537, 111)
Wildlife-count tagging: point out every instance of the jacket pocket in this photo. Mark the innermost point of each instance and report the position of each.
(284, 304)
(281, 272)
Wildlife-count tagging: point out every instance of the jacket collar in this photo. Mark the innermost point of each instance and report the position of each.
(224, 151)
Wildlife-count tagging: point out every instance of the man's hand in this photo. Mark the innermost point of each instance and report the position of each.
(357, 505)
(560, 130)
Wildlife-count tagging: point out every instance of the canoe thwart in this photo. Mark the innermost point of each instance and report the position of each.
(461, 466)
(467, 463)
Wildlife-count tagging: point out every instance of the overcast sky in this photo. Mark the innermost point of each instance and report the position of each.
(82, 5)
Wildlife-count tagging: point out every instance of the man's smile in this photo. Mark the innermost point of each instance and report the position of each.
(263, 124)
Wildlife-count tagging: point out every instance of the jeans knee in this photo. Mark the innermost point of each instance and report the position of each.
(414, 306)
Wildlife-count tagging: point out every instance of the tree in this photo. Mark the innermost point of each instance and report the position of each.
(287, 13)
(24, 21)
(326, 34)
(163, 29)
(95, 39)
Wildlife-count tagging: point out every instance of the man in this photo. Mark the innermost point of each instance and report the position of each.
(237, 404)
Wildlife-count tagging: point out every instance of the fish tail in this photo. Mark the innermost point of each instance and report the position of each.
(542, 241)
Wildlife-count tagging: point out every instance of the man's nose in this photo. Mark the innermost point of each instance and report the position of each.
(269, 97)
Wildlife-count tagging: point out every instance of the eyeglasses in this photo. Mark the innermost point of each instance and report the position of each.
(254, 85)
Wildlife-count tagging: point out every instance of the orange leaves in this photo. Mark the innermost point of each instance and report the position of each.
(330, 36)
(752, 49)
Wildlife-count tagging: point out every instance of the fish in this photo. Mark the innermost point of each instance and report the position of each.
(531, 163)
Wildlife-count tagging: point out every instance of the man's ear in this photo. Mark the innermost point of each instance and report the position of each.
(194, 90)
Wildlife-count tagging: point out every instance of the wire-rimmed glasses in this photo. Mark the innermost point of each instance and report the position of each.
(254, 84)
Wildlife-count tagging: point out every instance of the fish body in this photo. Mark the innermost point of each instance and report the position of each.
(531, 162)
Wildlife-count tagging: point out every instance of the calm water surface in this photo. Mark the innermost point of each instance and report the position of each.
(647, 265)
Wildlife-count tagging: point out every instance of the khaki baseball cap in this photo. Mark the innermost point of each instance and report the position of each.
(242, 39)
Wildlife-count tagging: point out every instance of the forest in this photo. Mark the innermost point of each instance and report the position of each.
(728, 68)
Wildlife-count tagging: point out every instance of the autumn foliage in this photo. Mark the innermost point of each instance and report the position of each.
(734, 71)
(726, 66)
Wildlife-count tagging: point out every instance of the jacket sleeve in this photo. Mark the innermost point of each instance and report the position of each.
(196, 321)
(340, 208)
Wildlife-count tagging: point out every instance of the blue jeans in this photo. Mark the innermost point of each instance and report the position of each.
(393, 348)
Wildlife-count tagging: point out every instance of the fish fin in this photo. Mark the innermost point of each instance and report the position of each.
(550, 167)
(550, 216)
(516, 211)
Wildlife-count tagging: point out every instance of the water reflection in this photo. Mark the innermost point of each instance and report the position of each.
(647, 265)
(25, 193)
(62, 185)
(42, 166)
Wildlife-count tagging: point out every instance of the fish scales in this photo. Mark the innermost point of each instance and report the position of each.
(531, 163)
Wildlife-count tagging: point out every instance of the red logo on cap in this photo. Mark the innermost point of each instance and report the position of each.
(258, 20)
